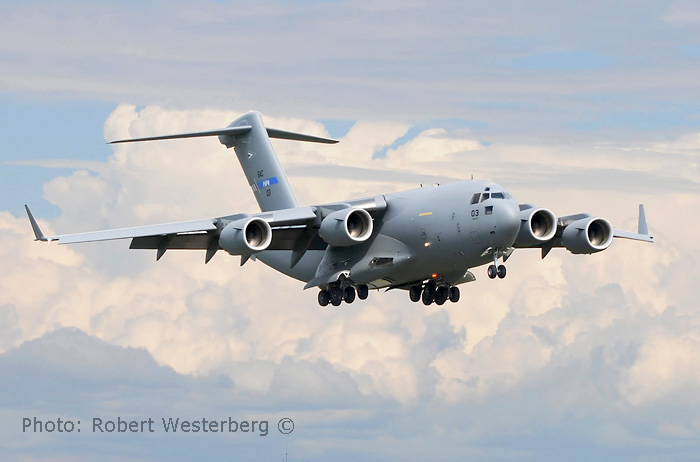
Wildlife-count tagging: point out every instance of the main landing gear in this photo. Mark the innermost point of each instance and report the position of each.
(431, 293)
(335, 295)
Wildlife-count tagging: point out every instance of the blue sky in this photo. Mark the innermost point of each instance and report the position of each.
(577, 107)
(564, 72)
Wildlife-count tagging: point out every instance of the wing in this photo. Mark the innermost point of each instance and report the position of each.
(583, 233)
(642, 233)
(290, 229)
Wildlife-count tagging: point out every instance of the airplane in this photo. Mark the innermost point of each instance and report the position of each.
(425, 240)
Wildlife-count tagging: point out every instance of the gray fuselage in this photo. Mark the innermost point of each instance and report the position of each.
(434, 232)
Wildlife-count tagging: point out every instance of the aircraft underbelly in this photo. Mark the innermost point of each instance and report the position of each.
(280, 260)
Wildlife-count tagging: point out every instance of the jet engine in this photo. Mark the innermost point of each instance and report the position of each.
(537, 225)
(346, 227)
(246, 236)
(588, 235)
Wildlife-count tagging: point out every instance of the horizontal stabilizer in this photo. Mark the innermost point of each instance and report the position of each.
(235, 131)
(230, 131)
(285, 135)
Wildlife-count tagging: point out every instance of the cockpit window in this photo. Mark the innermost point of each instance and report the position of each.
(484, 197)
(475, 198)
(497, 195)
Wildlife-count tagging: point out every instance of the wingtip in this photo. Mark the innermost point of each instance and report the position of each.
(38, 235)
(642, 227)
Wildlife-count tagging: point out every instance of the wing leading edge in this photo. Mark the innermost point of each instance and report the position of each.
(293, 229)
(642, 233)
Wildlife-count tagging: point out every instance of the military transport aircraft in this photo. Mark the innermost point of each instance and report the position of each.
(424, 240)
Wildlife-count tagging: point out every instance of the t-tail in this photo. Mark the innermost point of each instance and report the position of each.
(251, 140)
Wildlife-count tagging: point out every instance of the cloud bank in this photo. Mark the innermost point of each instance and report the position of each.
(571, 356)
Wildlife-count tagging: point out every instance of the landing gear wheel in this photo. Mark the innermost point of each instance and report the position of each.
(428, 295)
(414, 293)
(349, 295)
(336, 296)
(324, 297)
(501, 272)
(441, 295)
(362, 291)
(492, 271)
(454, 294)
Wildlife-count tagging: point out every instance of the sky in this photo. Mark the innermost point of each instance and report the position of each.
(577, 107)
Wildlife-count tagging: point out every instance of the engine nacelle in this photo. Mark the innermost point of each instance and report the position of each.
(346, 227)
(246, 236)
(588, 235)
(537, 225)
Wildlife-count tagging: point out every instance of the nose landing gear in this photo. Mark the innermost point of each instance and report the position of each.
(496, 269)
(499, 271)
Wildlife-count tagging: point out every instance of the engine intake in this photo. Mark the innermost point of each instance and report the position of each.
(246, 236)
(588, 235)
(346, 227)
(537, 225)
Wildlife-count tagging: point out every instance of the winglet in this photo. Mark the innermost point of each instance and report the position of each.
(35, 227)
(642, 233)
(642, 225)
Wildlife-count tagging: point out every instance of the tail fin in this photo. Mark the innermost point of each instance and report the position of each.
(260, 164)
(251, 140)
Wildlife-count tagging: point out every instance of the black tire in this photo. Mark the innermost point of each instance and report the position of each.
(428, 295)
(414, 293)
(454, 294)
(492, 271)
(362, 291)
(441, 295)
(324, 297)
(349, 295)
(336, 296)
(501, 272)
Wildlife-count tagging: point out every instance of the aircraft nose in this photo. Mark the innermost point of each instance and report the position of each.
(508, 222)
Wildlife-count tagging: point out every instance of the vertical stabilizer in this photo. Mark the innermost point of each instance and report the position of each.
(260, 164)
